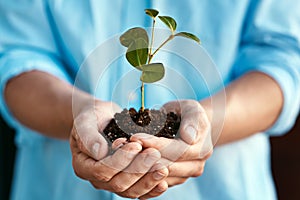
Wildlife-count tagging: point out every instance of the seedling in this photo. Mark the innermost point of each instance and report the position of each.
(140, 50)
(139, 54)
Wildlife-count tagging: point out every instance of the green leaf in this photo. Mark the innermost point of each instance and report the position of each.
(188, 35)
(169, 21)
(133, 34)
(151, 12)
(152, 72)
(137, 53)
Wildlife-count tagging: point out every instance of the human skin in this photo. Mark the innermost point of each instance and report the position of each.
(54, 116)
(248, 111)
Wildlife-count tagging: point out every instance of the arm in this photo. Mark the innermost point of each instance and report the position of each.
(265, 93)
(44, 103)
(35, 91)
(253, 103)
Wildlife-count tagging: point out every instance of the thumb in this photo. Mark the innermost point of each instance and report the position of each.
(195, 125)
(87, 136)
(194, 122)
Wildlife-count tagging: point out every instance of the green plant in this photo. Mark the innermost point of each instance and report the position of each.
(140, 51)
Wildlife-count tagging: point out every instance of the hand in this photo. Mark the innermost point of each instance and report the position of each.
(184, 156)
(129, 171)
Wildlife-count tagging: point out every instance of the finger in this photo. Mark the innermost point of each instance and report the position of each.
(157, 191)
(172, 106)
(100, 185)
(82, 163)
(73, 145)
(118, 143)
(196, 152)
(194, 124)
(172, 181)
(206, 146)
(105, 113)
(136, 170)
(172, 149)
(103, 170)
(147, 182)
(186, 169)
(113, 164)
(90, 141)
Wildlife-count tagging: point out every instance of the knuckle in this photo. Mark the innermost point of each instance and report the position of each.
(95, 185)
(98, 175)
(131, 149)
(77, 173)
(126, 154)
(160, 188)
(207, 155)
(74, 132)
(177, 181)
(117, 187)
(76, 169)
(80, 145)
(132, 195)
(183, 180)
(159, 175)
(128, 195)
(199, 172)
(148, 185)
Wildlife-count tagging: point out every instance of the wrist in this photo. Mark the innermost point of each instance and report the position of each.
(206, 105)
(82, 101)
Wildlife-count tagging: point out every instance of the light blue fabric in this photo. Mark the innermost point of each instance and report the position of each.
(241, 36)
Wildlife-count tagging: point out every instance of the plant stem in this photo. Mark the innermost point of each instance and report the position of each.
(143, 96)
(163, 44)
(152, 39)
(149, 60)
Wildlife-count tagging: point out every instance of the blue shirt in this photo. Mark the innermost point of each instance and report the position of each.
(240, 36)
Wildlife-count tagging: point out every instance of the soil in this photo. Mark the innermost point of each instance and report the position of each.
(154, 122)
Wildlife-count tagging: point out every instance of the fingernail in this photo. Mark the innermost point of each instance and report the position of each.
(95, 150)
(118, 143)
(158, 175)
(191, 133)
(159, 189)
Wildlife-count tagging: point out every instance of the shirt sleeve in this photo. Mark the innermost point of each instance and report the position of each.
(26, 43)
(271, 44)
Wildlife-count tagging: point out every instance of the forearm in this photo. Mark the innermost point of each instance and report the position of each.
(43, 102)
(253, 103)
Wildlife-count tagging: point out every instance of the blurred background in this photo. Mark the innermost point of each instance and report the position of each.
(285, 162)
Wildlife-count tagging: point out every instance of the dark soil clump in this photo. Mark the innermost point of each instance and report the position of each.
(153, 122)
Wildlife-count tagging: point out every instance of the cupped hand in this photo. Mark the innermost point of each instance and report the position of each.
(130, 171)
(186, 155)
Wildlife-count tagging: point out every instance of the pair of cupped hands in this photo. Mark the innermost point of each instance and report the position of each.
(147, 165)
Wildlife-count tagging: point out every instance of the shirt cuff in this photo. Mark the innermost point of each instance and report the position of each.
(16, 62)
(282, 67)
